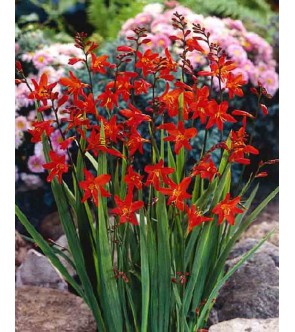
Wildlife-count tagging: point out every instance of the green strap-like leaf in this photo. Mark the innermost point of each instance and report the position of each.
(222, 281)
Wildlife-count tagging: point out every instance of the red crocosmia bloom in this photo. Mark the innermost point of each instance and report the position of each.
(43, 90)
(168, 66)
(141, 86)
(124, 48)
(133, 179)
(87, 105)
(147, 62)
(134, 116)
(227, 209)
(170, 99)
(126, 209)
(73, 84)
(73, 61)
(205, 168)
(238, 147)
(199, 106)
(96, 144)
(244, 114)
(195, 217)
(177, 193)
(234, 85)
(158, 173)
(39, 128)
(264, 109)
(92, 186)
(99, 63)
(220, 68)
(179, 135)
(108, 98)
(135, 142)
(62, 100)
(57, 166)
(123, 85)
(66, 143)
(193, 45)
(76, 118)
(112, 130)
(261, 175)
(218, 115)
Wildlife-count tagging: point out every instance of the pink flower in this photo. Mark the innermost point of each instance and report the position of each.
(35, 164)
(161, 41)
(42, 59)
(270, 80)
(31, 180)
(56, 138)
(143, 19)
(21, 123)
(237, 53)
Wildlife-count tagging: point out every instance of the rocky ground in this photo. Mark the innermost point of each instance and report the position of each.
(249, 301)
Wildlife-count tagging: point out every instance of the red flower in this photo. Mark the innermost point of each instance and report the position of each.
(157, 173)
(244, 114)
(170, 99)
(39, 129)
(134, 116)
(99, 63)
(141, 86)
(220, 68)
(108, 98)
(177, 193)
(112, 130)
(218, 115)
(57, 166)
(66, 143)
(239, 148)
(195, 217)
(179, 135)
(126, 209)
(133, 179)
(95, 144)
(227, 209)
(264, 109)
(234, 85)
(193, 45)
(76, 118)
(205, 168)
(87, 105)
(147, 62)
(43, 90)
(73, 84)
(92, 186)
(123, 85)
(135, 142)
(199, 106)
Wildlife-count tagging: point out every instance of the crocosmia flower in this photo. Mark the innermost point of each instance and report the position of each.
(227, 209)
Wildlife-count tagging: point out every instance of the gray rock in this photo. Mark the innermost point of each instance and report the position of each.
(253, 290)
(258, 231)
(245, 245)
(36, 270)
(21, 249)
(51, 227)
(51, 310)
(247, 325)
(62, 244)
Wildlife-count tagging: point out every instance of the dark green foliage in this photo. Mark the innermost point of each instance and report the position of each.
(107, 17)
(255, 14)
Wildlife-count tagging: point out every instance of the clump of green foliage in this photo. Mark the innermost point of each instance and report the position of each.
(255, 14)
(107, 17)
